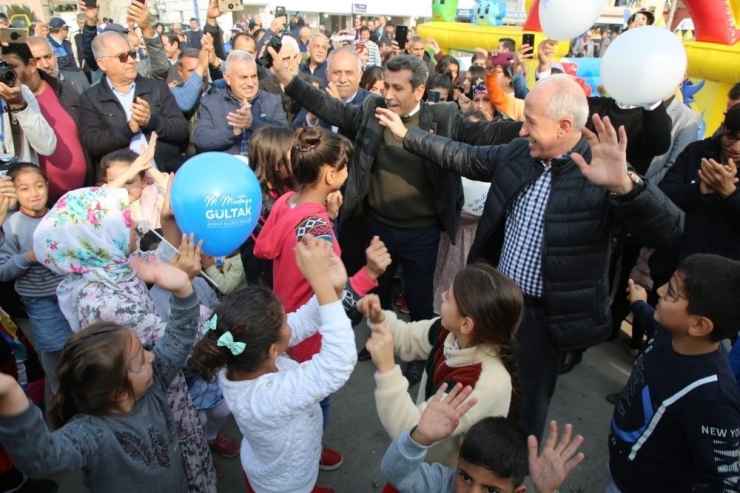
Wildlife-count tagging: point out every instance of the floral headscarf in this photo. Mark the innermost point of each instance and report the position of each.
(86, 236)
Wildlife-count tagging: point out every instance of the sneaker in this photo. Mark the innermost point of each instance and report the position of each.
(330, 459)
(39, 486)
(219, 470)
(613, 398)
(414, 371)
(400, 302)
(224, 446)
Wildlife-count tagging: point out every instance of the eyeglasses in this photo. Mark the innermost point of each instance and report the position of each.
(730, 138)
(123, 57)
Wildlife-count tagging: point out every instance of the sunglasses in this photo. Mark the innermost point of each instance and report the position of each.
(123, 57)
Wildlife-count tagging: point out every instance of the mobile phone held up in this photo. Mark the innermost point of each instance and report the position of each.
(276, 43)
(91, 4)
(528, 39)
(433, 96)
(402, 36)
(230, 5)
(280, 12)
(13, 35)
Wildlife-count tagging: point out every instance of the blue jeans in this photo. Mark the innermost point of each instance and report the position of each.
(50, 328)
(326, 409)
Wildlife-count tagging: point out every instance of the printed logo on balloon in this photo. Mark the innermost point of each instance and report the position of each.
(218, 198)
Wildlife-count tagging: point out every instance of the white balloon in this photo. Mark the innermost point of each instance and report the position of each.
(566, 19)
(643, 66)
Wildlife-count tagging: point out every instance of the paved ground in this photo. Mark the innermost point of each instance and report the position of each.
(356, 431)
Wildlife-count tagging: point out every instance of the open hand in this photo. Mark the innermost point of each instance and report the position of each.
(213, 11)
(378, 258)
(141, 112)
(523, 55)
(380, 347)
(369, 307)
(91, 13)
(188, 259)
(313, 258)
(166, 276)
(441, 417)
(392, 121)
(608, 167)
(545, 52)
(139, 13)
(432, 44)
(549, 469)
(146, 158)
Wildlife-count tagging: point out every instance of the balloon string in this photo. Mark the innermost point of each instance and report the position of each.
(203, 274)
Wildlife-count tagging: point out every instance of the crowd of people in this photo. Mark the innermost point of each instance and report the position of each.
(524, 223)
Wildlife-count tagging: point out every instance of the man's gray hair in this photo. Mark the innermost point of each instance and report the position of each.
(290, 40)
(98, 44)
(81, 17)
(317, 35)
(190, 53)
(238, 55)
(416, 39)
(345, 49)
(568, 100)
(416, 65)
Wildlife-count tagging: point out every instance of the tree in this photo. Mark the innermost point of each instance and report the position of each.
(14, 9)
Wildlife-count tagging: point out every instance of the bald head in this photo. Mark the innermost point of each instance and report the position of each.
(555, 112)
(109, 41)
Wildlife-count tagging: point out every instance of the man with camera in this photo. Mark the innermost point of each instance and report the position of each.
(228, 118)
(125, 108)
(67, 167)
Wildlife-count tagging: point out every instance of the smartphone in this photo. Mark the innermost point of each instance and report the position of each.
(91, 3)
(141, 1)
(433, 96)
(230, 5)
(528, 39)
(280, 12)
(13, 35)
(402, 35)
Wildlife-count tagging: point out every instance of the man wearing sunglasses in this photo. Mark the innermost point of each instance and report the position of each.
(125, 108)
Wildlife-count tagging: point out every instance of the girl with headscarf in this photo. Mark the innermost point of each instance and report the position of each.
(89, 237)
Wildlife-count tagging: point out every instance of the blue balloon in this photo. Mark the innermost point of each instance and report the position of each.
(218, 198)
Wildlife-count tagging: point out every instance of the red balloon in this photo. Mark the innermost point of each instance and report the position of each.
(713, 21)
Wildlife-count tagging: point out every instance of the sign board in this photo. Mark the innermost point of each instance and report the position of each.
(359, 8)
(465, 15)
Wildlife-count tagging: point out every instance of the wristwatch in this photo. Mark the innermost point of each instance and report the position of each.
(635, 179)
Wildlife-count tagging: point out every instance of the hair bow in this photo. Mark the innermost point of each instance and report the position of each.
(210, 324)
(227, 340)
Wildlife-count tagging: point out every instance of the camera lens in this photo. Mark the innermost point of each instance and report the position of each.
(14, 36)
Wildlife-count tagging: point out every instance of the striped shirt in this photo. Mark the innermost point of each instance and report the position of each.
(31, 280)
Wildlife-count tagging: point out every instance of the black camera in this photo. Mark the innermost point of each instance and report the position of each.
(266, 59)
(7, 74)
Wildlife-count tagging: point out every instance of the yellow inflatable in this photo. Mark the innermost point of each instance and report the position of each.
(714, 55)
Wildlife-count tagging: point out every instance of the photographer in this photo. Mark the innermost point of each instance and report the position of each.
(24, 132)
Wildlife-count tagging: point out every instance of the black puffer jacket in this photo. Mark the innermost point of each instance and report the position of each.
(360, 121)
(579, 220)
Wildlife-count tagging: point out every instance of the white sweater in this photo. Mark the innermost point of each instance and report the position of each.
(279, 413)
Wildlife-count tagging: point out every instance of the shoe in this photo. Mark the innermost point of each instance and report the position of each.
(39, 486)
(569, 361)
(319, 489)
(363, 355)
(224, 446)
(414, 371)
(330, 460)
(218, 469)
(613, 398)
(400, 299)
(404, 308)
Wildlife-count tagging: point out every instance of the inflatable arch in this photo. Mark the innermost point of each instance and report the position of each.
(714, 55)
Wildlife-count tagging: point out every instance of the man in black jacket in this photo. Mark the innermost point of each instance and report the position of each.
(125, 108)
(404, 200)
(548, 222)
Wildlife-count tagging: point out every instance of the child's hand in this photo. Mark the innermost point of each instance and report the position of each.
(188, 260)
(333, 202)
(313, 259)
(441, 417)
(207, 261)
(146, 157)
(31, 256)
(166, 276)
(369, 307)
(166, 214)
(635, 292)
(337, 273)
(380, 347)
(549, 469)
(378, 258)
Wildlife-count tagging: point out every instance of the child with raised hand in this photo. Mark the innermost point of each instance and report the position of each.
(34, 283)
(676, 425)
(275, 400)
(319, 160)
(112, 415)
(472, 343)
(493, 455)
(146, 185)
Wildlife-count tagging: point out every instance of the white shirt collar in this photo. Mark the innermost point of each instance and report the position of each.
(413, 112)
